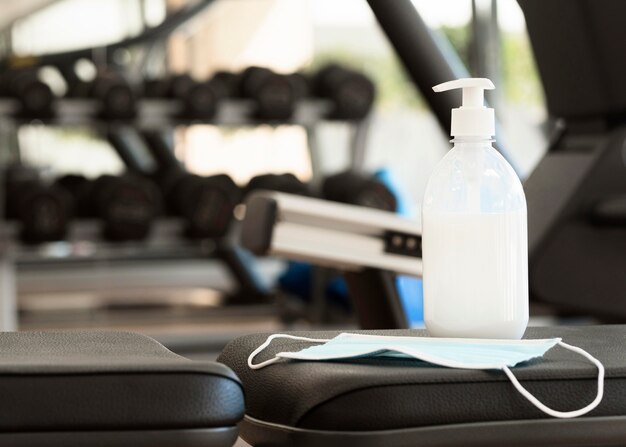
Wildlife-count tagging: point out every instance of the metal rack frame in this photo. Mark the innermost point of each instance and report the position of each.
(166, 239)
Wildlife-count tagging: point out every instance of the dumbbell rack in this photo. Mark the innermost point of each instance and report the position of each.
(84, 248)
(157, 113)
(165, 240)
(163, 113)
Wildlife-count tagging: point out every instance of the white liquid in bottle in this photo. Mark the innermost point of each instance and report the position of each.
(475, 275)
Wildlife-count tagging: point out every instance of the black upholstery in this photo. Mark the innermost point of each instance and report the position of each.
(392, 394)
(109, 381)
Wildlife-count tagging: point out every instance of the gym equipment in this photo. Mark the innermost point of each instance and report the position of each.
(301, 85)
(287, 183)
(199, 98)
(127, 205)
(131, 148)
(273, 93)
(577, 193)
(206, 203)
(359, 189)
(76, 186)
(308, 229)
(16, 177)
(35, 96)
(330, 403)
(351, 93)
(577, 236)
(226, 83)
(43, 211)
(112, 389)
(116, 97)
(369, 246)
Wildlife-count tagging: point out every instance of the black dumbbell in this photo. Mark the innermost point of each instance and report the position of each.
(127, 205)
(199, 98)
(226, 83)
(273, 93)
(351, 93)
(301, 85)
(359, 189)
(44, 211)
(116, 96)
(287, 183)
(35, 96)
(78, 187)
(206, 203)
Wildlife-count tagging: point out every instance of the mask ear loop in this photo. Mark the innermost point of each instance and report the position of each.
(564, 414)
(269, 340)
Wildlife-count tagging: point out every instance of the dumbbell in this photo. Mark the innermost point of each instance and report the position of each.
(78, 187)
(199, 98)
(301, 85)
(205, 203)
(287, 183)
(116, 96)
(359, 189)
(351, 93)
(227, 83)
(274, 93)
(35, 96)
(126, 204)
(44, 211)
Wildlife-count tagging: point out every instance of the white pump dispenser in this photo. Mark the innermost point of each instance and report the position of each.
(472, 118)
(474, 237)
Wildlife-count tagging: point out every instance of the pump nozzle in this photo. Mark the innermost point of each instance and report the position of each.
(472, 118)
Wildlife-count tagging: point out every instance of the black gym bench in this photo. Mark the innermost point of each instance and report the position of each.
(110, 389)
(399, 402)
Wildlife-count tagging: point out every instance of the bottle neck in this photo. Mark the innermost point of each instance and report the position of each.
(472, 141)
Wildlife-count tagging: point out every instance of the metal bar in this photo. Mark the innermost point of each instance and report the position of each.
(420, 54)
(158, 114)
(318, 306)
(485, 46)
(161, 146)
(317, 165)
(358, 144)
(131, 149)
(8, 294)
(244, 270)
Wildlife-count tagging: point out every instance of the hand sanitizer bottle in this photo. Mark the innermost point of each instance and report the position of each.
(474, 236)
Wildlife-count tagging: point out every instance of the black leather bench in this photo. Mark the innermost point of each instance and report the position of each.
(398, 402)
(112, 389)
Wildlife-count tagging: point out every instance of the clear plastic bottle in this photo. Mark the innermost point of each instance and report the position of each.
(474, 237)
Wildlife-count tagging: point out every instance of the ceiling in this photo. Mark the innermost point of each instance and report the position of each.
(14, 9)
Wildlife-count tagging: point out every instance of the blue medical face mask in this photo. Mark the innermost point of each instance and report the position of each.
(448, 352)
